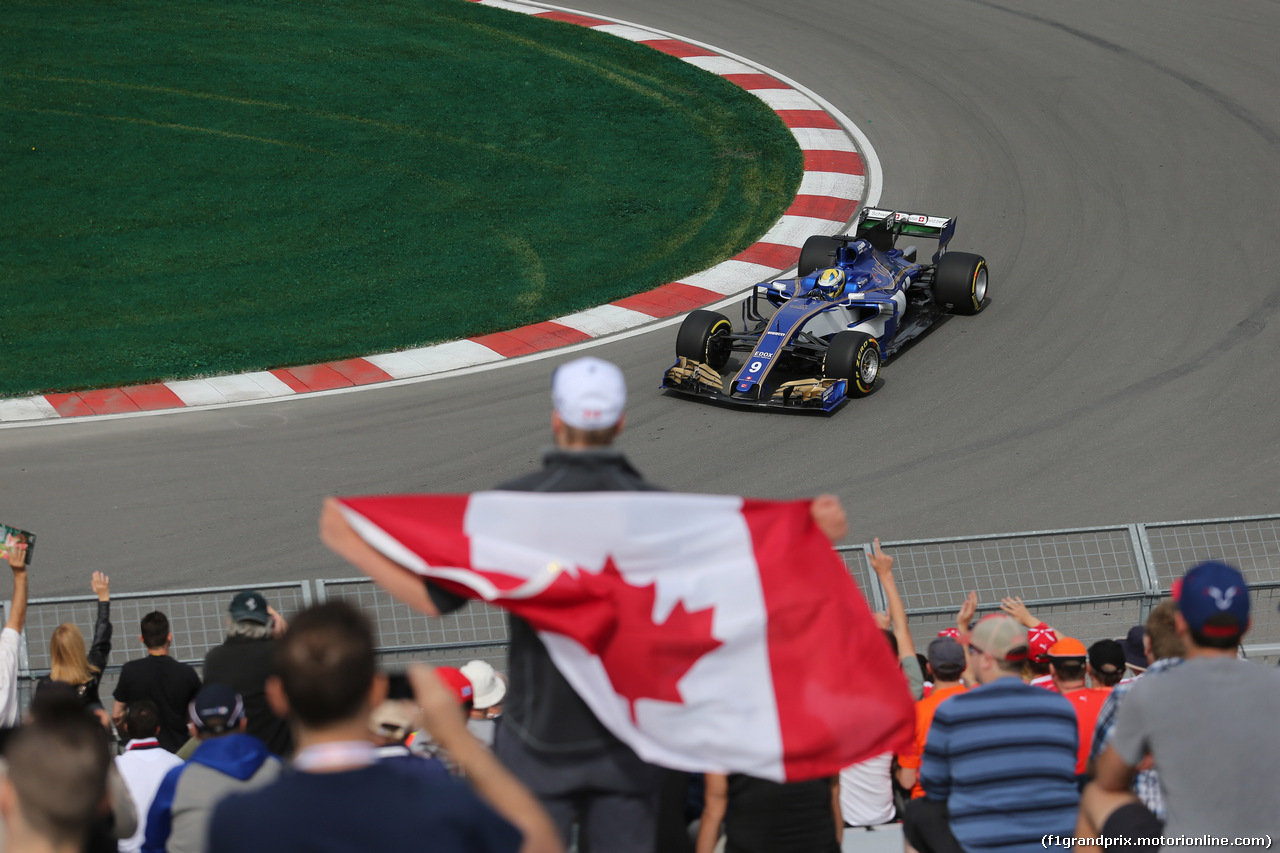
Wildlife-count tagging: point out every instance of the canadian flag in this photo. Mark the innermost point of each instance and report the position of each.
(710, 634)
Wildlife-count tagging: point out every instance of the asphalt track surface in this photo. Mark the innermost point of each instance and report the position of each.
(1117, 162)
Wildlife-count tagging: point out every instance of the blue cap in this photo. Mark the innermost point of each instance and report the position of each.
(1213, 589)
(1135, 654)
(216, 709)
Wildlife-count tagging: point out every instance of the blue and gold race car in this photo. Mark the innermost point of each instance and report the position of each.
(813, 341)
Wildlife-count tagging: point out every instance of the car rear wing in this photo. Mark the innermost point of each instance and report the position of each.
(882, 228)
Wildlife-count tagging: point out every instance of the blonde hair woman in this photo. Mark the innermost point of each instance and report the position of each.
(71, 663)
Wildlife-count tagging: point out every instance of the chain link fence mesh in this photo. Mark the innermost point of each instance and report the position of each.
(197, 617)
(1252, 545)
(397, 627)
(1091, 583)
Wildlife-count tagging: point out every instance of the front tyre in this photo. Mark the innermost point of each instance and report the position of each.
(704, 337)
(960, 282)
(854, 356)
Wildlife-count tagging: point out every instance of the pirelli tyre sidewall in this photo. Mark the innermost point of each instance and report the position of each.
(960, 282)
(704, 337)
(854, 356)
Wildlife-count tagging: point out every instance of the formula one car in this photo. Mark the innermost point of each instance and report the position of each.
(813, 341)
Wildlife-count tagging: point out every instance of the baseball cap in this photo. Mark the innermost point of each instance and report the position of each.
(1068, 647)
(946, 657)
(953, 633)
(457, 682)
(1214, 599)
(250, 606)
(1039, 640)
(489, 686)
(216, 709)
(588, 393)
(1001, 637)
(1107, 656)
(1134, 653)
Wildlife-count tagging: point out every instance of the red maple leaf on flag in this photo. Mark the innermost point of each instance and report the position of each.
(644, 659)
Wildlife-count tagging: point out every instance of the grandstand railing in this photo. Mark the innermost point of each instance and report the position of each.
(1087, 582)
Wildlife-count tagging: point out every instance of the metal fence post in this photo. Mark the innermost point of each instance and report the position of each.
(1146, 565)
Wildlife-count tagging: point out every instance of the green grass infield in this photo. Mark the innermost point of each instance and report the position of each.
(191, 189)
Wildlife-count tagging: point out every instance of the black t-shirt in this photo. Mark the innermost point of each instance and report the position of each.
(170, 684)
(770, 817)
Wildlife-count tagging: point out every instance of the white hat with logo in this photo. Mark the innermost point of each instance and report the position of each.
(589, 393)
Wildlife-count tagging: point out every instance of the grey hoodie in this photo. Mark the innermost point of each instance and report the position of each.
(179, 817)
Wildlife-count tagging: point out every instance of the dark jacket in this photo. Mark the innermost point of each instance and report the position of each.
(542, 710)
(99, 651)
(243, 664)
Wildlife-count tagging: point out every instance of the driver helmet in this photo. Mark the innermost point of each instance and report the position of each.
(830, 284)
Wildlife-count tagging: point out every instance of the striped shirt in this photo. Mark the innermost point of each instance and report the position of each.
(1003, 757)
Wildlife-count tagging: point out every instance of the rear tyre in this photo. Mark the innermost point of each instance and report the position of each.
(854, 356)
(704, 337)
(960, 282)
(817, 254)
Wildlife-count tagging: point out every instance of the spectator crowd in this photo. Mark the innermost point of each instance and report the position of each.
(290, 736)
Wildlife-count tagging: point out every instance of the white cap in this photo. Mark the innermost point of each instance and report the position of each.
(489, 686)
(589, 393)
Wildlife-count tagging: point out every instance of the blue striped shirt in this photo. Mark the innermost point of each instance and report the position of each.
(1003, 756)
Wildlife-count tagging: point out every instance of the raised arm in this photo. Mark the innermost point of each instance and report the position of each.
(964, 616)
(829, 515)
(964, 623)
(100, 650)
(11, 643)
(491, 781)
(1014, 607)
(278, 623)
(18, 611)
(882, 564)
(342, 539)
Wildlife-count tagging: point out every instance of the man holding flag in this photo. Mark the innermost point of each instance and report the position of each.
(707, 634)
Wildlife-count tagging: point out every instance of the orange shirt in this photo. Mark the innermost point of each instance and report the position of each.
(1087, 702)
(910, 757)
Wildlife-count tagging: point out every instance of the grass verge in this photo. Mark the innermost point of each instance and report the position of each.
(233, 185)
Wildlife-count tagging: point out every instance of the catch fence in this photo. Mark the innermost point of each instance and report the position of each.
(1089, 582)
